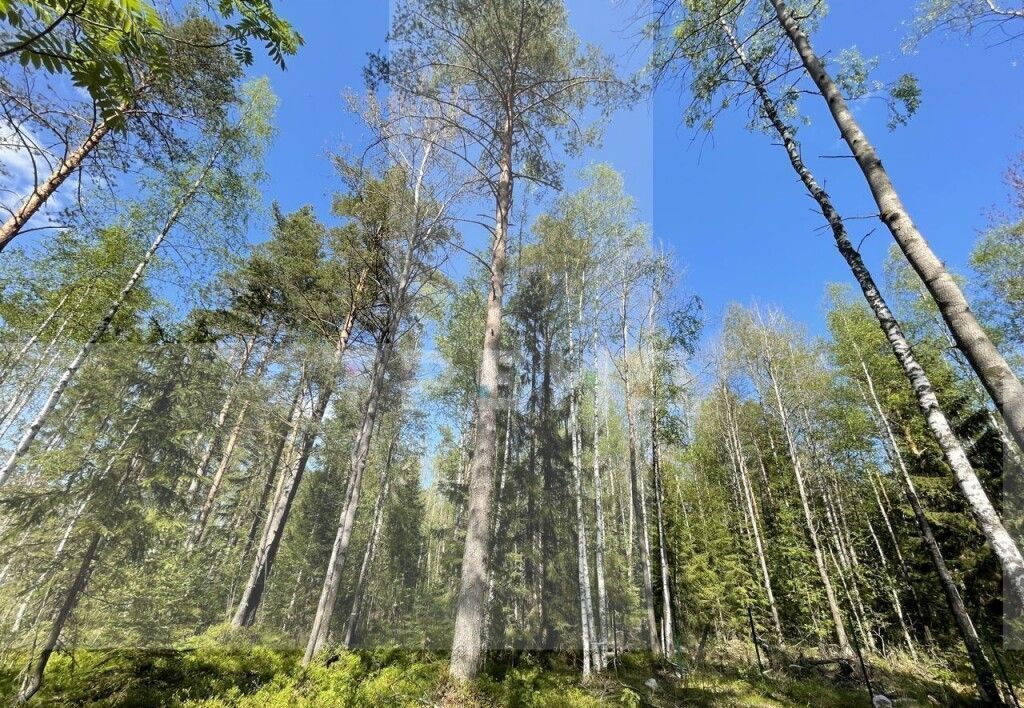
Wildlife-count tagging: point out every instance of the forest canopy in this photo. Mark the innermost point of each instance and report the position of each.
(447, 415)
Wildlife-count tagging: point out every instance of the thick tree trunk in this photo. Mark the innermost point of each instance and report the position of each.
(984, 513)
(472, 599)
(990, 366)
(101, 329)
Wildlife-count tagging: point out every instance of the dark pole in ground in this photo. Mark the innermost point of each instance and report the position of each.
(753, 637)
(1006, 677)
(863, 666)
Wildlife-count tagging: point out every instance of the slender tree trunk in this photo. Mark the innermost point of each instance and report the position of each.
(638, 494)
(33, 677)
(199, 529)
(222, 416)
(371, 543)
(894, 595)
(589, 645)
(496, 531)
(42, 192)
(273, 532)
(667, 633)
(736, 447)
(805, 503)
(602, 595)
(990, 366)
(985, 678)
(472, 599)
(30, 342)
(101, 329)
(36, 375)
(287, 436)
(984, 513)
(360, 452)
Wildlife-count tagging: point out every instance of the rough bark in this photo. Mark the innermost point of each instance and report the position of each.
(995, 374)
(467, 649)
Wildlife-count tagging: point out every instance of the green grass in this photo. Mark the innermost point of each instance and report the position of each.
(215, 671)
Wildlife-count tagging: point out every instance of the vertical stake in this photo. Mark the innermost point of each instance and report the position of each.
(753, 638)
(1002, 670)
(863, 666)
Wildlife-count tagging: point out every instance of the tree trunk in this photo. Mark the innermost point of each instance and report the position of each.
(371, 543)
(638, 493)
(222, 416)
(984, 513)
(33, 677)
(199, 529)
(736, 447)
(805, 503)
(42, 192)
(985, 678)
(602, 595)
(667, 633)
(58, 390)
(472, 599)
(360, 453)
(590, 653)
(287, 436)
(33, 339)
(990, 366)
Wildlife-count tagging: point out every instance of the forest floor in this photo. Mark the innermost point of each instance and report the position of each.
(215, 674)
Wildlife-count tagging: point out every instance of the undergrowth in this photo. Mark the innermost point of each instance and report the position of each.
(225, 670)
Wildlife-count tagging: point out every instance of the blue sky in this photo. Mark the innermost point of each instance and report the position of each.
(729, 206)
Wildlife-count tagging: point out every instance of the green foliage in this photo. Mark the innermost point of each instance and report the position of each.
(108, 48)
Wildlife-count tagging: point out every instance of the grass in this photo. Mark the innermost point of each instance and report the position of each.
(215, 671)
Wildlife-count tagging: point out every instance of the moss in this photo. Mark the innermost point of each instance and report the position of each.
(223, 669)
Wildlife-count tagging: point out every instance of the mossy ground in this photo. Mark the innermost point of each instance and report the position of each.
(214, 673)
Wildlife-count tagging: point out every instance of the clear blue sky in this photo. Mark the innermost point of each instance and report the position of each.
(729, 206)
